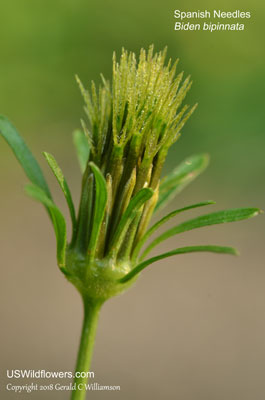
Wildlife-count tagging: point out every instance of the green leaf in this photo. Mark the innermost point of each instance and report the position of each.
(219, 217)
(135, 204)
(182, 250)
(57, 220)
(162, 221)
(23, 155)
(99, 208)
(180, 177)
(64, 186)
(82, 148)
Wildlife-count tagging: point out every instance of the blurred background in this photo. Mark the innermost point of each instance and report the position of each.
(193, 327)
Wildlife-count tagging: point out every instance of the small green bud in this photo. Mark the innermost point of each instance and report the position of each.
(132, 123)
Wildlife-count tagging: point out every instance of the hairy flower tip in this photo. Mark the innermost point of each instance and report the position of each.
(145, 98)
(132, 123)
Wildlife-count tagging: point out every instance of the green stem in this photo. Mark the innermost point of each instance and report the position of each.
(91, 313)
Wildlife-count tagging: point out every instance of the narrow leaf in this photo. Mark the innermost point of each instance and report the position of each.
(84, 219)
(104, 227)
(163, 221)
(219, 217)
(180, 177)
(82, 148)
(182, 250)
(135, 204)
(23, 155)
(57, 219)
(124, 199)
(146, 216)
(99, 208)
(64, 186)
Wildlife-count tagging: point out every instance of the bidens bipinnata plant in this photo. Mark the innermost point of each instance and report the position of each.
(131, 125)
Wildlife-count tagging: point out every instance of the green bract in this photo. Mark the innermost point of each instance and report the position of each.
(122, 148)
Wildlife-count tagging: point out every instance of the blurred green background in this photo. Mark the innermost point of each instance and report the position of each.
(214, 320)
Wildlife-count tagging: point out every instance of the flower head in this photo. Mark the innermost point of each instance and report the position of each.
(131, 125)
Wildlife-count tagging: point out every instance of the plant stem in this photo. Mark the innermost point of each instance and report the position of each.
(91, 313)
